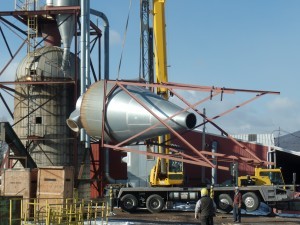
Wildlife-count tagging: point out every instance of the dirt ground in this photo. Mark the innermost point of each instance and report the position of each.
(179, 217)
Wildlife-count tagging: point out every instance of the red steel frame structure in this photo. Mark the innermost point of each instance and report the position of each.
(202, 158)
(47, 15)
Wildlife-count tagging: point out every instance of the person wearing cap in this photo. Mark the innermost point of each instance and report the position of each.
(237, 204)
(205, 208)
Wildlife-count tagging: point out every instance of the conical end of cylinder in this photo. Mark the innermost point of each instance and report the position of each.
(190, 121)
(73, 125)
(73, 121)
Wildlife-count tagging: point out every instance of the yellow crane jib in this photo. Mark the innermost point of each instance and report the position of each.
(160, 50)
(163, 173)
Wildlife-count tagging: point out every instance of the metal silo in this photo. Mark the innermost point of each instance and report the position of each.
(40, 106)
(40, 110)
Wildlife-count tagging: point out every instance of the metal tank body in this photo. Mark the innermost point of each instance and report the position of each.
(40, 111)
(66, 26)
(124, 116)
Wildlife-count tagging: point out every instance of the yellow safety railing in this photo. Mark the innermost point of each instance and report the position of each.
(57, 211)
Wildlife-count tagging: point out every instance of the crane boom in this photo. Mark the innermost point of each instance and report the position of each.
(166, 172)
(160, 49)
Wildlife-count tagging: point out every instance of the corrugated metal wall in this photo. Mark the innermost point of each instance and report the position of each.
(225, 146)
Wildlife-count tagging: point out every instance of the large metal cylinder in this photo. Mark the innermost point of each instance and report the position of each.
(124, 116)
(40, 110)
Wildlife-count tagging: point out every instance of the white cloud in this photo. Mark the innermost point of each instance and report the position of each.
(281, 103)
(114, 37)
(257, 117)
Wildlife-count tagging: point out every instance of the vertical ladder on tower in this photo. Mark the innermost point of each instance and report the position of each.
(32, 34)
(32, 40)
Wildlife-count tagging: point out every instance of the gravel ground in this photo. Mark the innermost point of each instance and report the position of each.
(173, 217)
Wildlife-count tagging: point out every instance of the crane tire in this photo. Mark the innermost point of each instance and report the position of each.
(251, 201)
(129, 203)
(224, 203)
(155, 203)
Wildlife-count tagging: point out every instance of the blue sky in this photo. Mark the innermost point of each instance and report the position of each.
(245, 44)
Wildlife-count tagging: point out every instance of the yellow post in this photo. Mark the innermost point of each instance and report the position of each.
(22, 213)
(111, 204)
(106, 213)
(59, 214)
(48, 212)
(95, 213)
(10, 212)
(212, 192)
(102, 212)
(88, 212)
(80, 211)
(70, 213)
(34, 210)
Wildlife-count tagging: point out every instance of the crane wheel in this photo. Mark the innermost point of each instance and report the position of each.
(251, 201)
(129, 203)
(155, 203)
(224, 203)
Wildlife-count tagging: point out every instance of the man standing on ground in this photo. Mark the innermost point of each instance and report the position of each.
(205, 206)
(237, 204)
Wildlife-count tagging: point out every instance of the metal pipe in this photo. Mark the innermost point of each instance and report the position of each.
(83, 66)
(83, 46)
(269, 156)
(214, 147)
(106, 41)
(87, 48)
(106, 76)
(75, 123)
(86, 82)
(203, 147)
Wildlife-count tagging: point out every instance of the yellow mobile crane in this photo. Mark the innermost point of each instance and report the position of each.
(262, 176)
(166, 172)
(167, 190)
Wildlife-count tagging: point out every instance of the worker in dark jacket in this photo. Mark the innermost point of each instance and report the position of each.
(237, 204)
(206, 207)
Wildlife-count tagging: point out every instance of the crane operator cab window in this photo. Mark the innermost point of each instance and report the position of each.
(175, 166)
(275, 177)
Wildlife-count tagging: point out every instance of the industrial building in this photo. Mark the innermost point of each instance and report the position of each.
(72, 125)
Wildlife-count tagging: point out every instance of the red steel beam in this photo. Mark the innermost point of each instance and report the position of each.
(36, 82)
(234, 108)
(165, 120)
(47, 11)
(166, 156)
(192, 106)
(170, 128)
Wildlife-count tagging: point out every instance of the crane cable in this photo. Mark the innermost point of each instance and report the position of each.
(124, 39)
